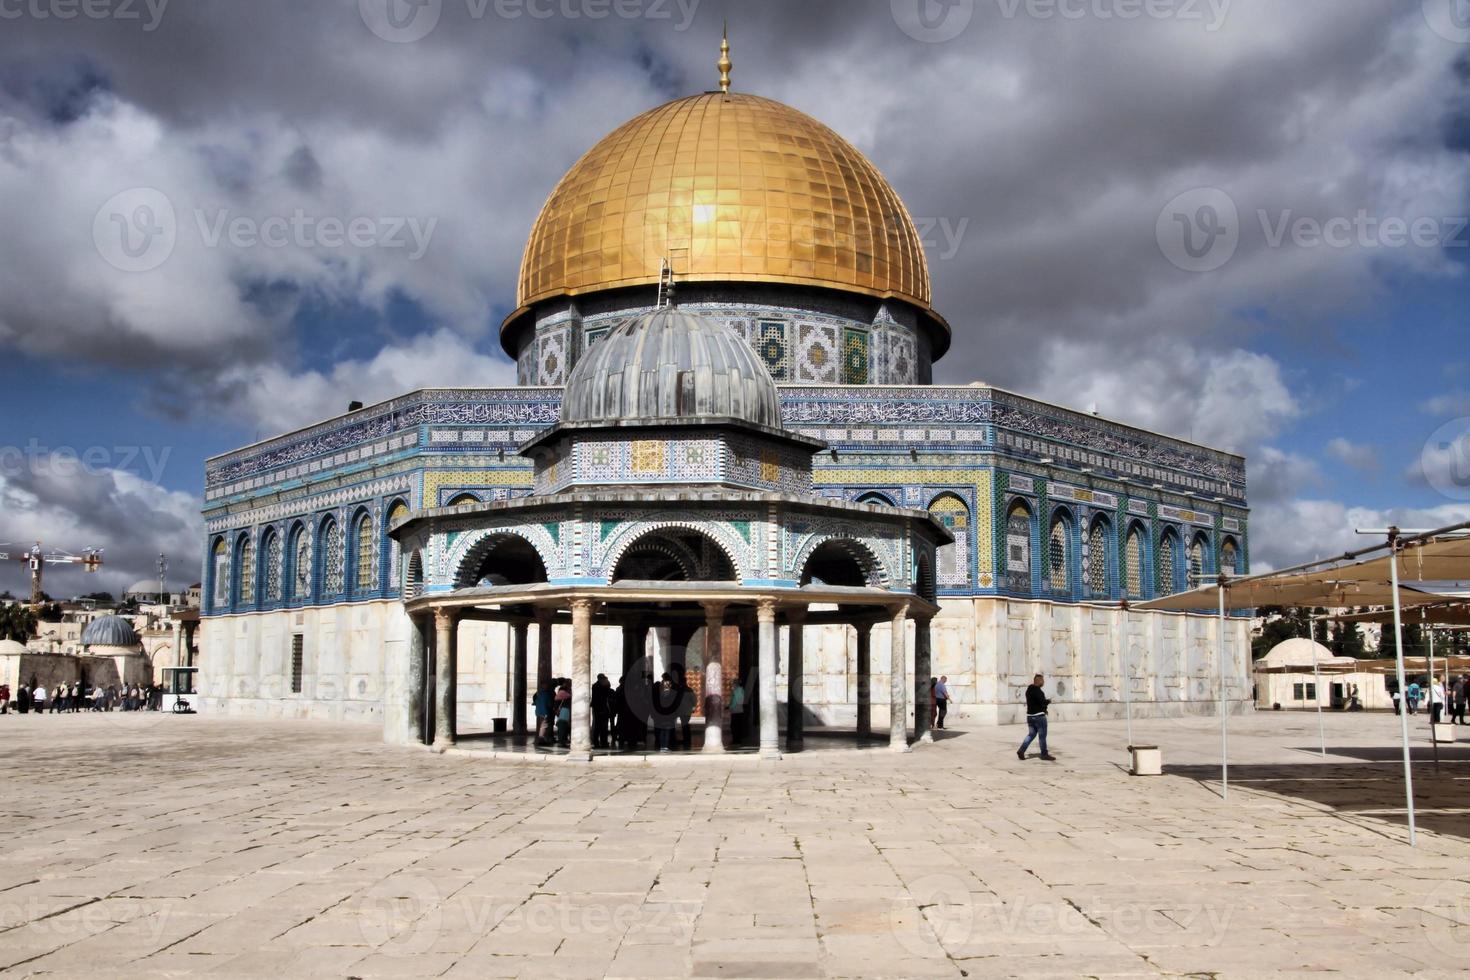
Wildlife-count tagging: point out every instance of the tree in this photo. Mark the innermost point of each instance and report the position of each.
(17, 623)
(1347, 641)
(99, 596)
(1281, 625)
(50, 613)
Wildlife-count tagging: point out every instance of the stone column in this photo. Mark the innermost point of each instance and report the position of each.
(770, 721)
(418, 658)
(795, 649)
(898, 739)
(447, 667)
(180, 656)
(518, 680)
(923, 672)
(864, 678)
(714, 677)
(581, 742)
(544, 628)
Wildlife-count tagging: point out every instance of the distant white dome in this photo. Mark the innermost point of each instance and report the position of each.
(143, 587)
(11, 646)
(1300, 652)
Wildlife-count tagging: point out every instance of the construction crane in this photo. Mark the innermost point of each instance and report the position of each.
(90, 560)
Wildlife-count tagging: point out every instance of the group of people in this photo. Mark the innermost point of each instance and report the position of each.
(1447, 696)
(73, 697)
(623, 716)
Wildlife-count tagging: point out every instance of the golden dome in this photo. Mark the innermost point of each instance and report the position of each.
(731, 188)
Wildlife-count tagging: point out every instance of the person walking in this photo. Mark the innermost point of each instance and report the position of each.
(665, 713)
(564, 713)
(38, 698)
(4, 699)
(1436, 700)
(1459, 695)
(1398, 701)
(541, 703)
(1411, 698)
(1036, 704)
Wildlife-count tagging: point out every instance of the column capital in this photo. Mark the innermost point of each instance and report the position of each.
(765, 609)
(715, 610)
(445, 619)
(583, 604)
(544, 614)
(900, 612)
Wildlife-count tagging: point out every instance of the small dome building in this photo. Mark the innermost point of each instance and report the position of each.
(671, 493)
(113, 653)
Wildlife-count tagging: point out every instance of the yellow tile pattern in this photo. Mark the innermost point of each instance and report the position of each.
(650, 456)
(730, 187)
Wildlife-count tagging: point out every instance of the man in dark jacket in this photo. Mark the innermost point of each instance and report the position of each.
(1036, 704)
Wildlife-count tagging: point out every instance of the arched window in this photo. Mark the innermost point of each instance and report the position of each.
(300, 580)
(272, 565)
(331, 545)
(1197, 561)
(1059, 556)
(1095, 568)
(220, 598)
(245, 568)
(1018, 548)
(1229, 557)
(874, 497)
(464, 500)
(397, 512)
(1168, 547)
(363, 553)
(415, 583)
(953, 559)
(1133, 563)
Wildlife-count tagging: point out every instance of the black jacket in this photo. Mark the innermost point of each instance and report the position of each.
(1036, 702)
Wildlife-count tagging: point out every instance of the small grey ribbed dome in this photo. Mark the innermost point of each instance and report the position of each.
(110, 631)
(671, 365)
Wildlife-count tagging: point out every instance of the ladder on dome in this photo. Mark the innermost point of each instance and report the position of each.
(665, 283)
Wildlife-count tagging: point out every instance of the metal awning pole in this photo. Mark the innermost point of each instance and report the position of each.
(1398, 632)
(1224, 715)
(1433, 740)
(1317, 690)
(1127, 678)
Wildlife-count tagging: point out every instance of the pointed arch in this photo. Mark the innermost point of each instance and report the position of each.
(1169, 566)
(1135, 561)
(501, 558)
(1097, 562)
(952, 560)
(363, 552)
(414, 584)
(1229, 555)
(674, 553)
(876, 497)
(1058, 558)
(270, 566)
(397, 510)
(244, 596)
(842, 562)
(1199, 559)
(298, 558)
(465, 499)
(331, 577)
(1020, 534)
(219, 570)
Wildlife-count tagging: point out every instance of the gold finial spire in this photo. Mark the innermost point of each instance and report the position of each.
(725, 63)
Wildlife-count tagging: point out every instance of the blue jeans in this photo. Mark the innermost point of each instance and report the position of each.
(1036, 725)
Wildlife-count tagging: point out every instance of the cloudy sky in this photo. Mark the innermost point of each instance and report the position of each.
(1233, 220)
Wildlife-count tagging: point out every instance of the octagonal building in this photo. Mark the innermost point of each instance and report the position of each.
(726, 462)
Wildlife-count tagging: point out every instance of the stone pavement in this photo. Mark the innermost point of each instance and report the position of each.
(160, 845)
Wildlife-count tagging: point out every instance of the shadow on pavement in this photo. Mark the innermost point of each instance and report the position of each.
(1369, 790)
